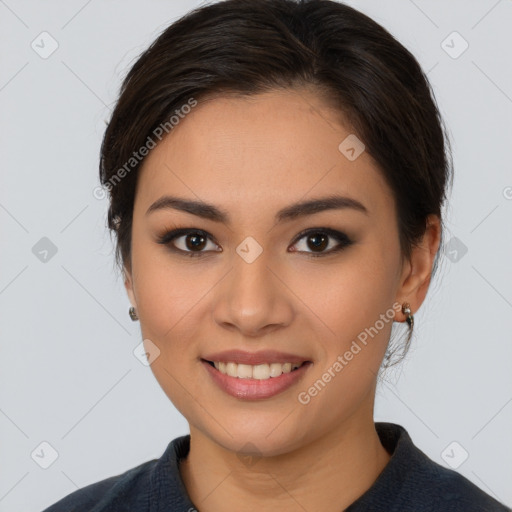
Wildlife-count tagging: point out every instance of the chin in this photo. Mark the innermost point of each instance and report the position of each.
(264, 437)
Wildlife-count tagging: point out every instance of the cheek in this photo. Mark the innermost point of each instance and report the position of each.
(170, 300)
(347, 296)
(354, 298)
(356, 304)
(168, 290)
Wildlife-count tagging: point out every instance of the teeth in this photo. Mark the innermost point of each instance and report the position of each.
(259, 371)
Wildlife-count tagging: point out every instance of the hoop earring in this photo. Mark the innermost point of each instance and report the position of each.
(406, 310)
(133, 314)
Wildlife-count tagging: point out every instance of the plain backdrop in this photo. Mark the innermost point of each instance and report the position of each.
(74, 397)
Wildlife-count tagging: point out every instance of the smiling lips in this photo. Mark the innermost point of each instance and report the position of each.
(259, 371)
(255, 375)
(254, 365)
(254, 358)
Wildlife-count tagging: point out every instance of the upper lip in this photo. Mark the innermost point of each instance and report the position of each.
(254, 358)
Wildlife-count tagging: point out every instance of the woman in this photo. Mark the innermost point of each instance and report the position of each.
(276, 172)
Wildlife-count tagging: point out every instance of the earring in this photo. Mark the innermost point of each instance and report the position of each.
(133, 314)
(406, 310)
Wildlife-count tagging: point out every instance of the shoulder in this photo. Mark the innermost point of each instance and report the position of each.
(126, 491)
(156, 481)
(424, 485)
(445, 489)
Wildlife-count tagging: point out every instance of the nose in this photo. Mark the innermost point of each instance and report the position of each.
(253, 299)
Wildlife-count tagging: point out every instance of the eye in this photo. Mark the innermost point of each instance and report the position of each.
(193, 243)
(317, 239)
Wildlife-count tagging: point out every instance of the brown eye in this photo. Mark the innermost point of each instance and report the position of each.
(318, 240)
(190, 242)
(195, 241)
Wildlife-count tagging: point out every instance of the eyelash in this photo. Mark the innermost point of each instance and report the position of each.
(342, 238)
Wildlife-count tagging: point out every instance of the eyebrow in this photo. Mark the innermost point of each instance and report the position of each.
(216, 214)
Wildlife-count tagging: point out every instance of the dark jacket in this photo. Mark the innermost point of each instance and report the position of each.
(410, 482)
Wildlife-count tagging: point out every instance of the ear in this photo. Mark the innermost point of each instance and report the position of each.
(417, 272)
(128, 284)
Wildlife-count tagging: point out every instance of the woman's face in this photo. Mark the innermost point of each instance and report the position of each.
(254, 283)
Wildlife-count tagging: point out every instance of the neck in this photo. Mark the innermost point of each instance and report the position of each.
(327, 474)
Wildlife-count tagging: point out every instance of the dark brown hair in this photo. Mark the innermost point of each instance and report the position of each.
(253, 46)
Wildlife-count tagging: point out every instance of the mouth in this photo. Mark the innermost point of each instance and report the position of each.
(262, 371)
(255, 382)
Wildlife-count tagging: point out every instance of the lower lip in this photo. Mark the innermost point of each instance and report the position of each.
(254, 389)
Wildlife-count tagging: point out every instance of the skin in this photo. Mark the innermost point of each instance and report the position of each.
(252, 157)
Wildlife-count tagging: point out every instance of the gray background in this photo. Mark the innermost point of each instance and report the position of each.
(68, 376)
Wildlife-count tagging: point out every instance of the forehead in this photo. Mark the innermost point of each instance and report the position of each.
(272, 148)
